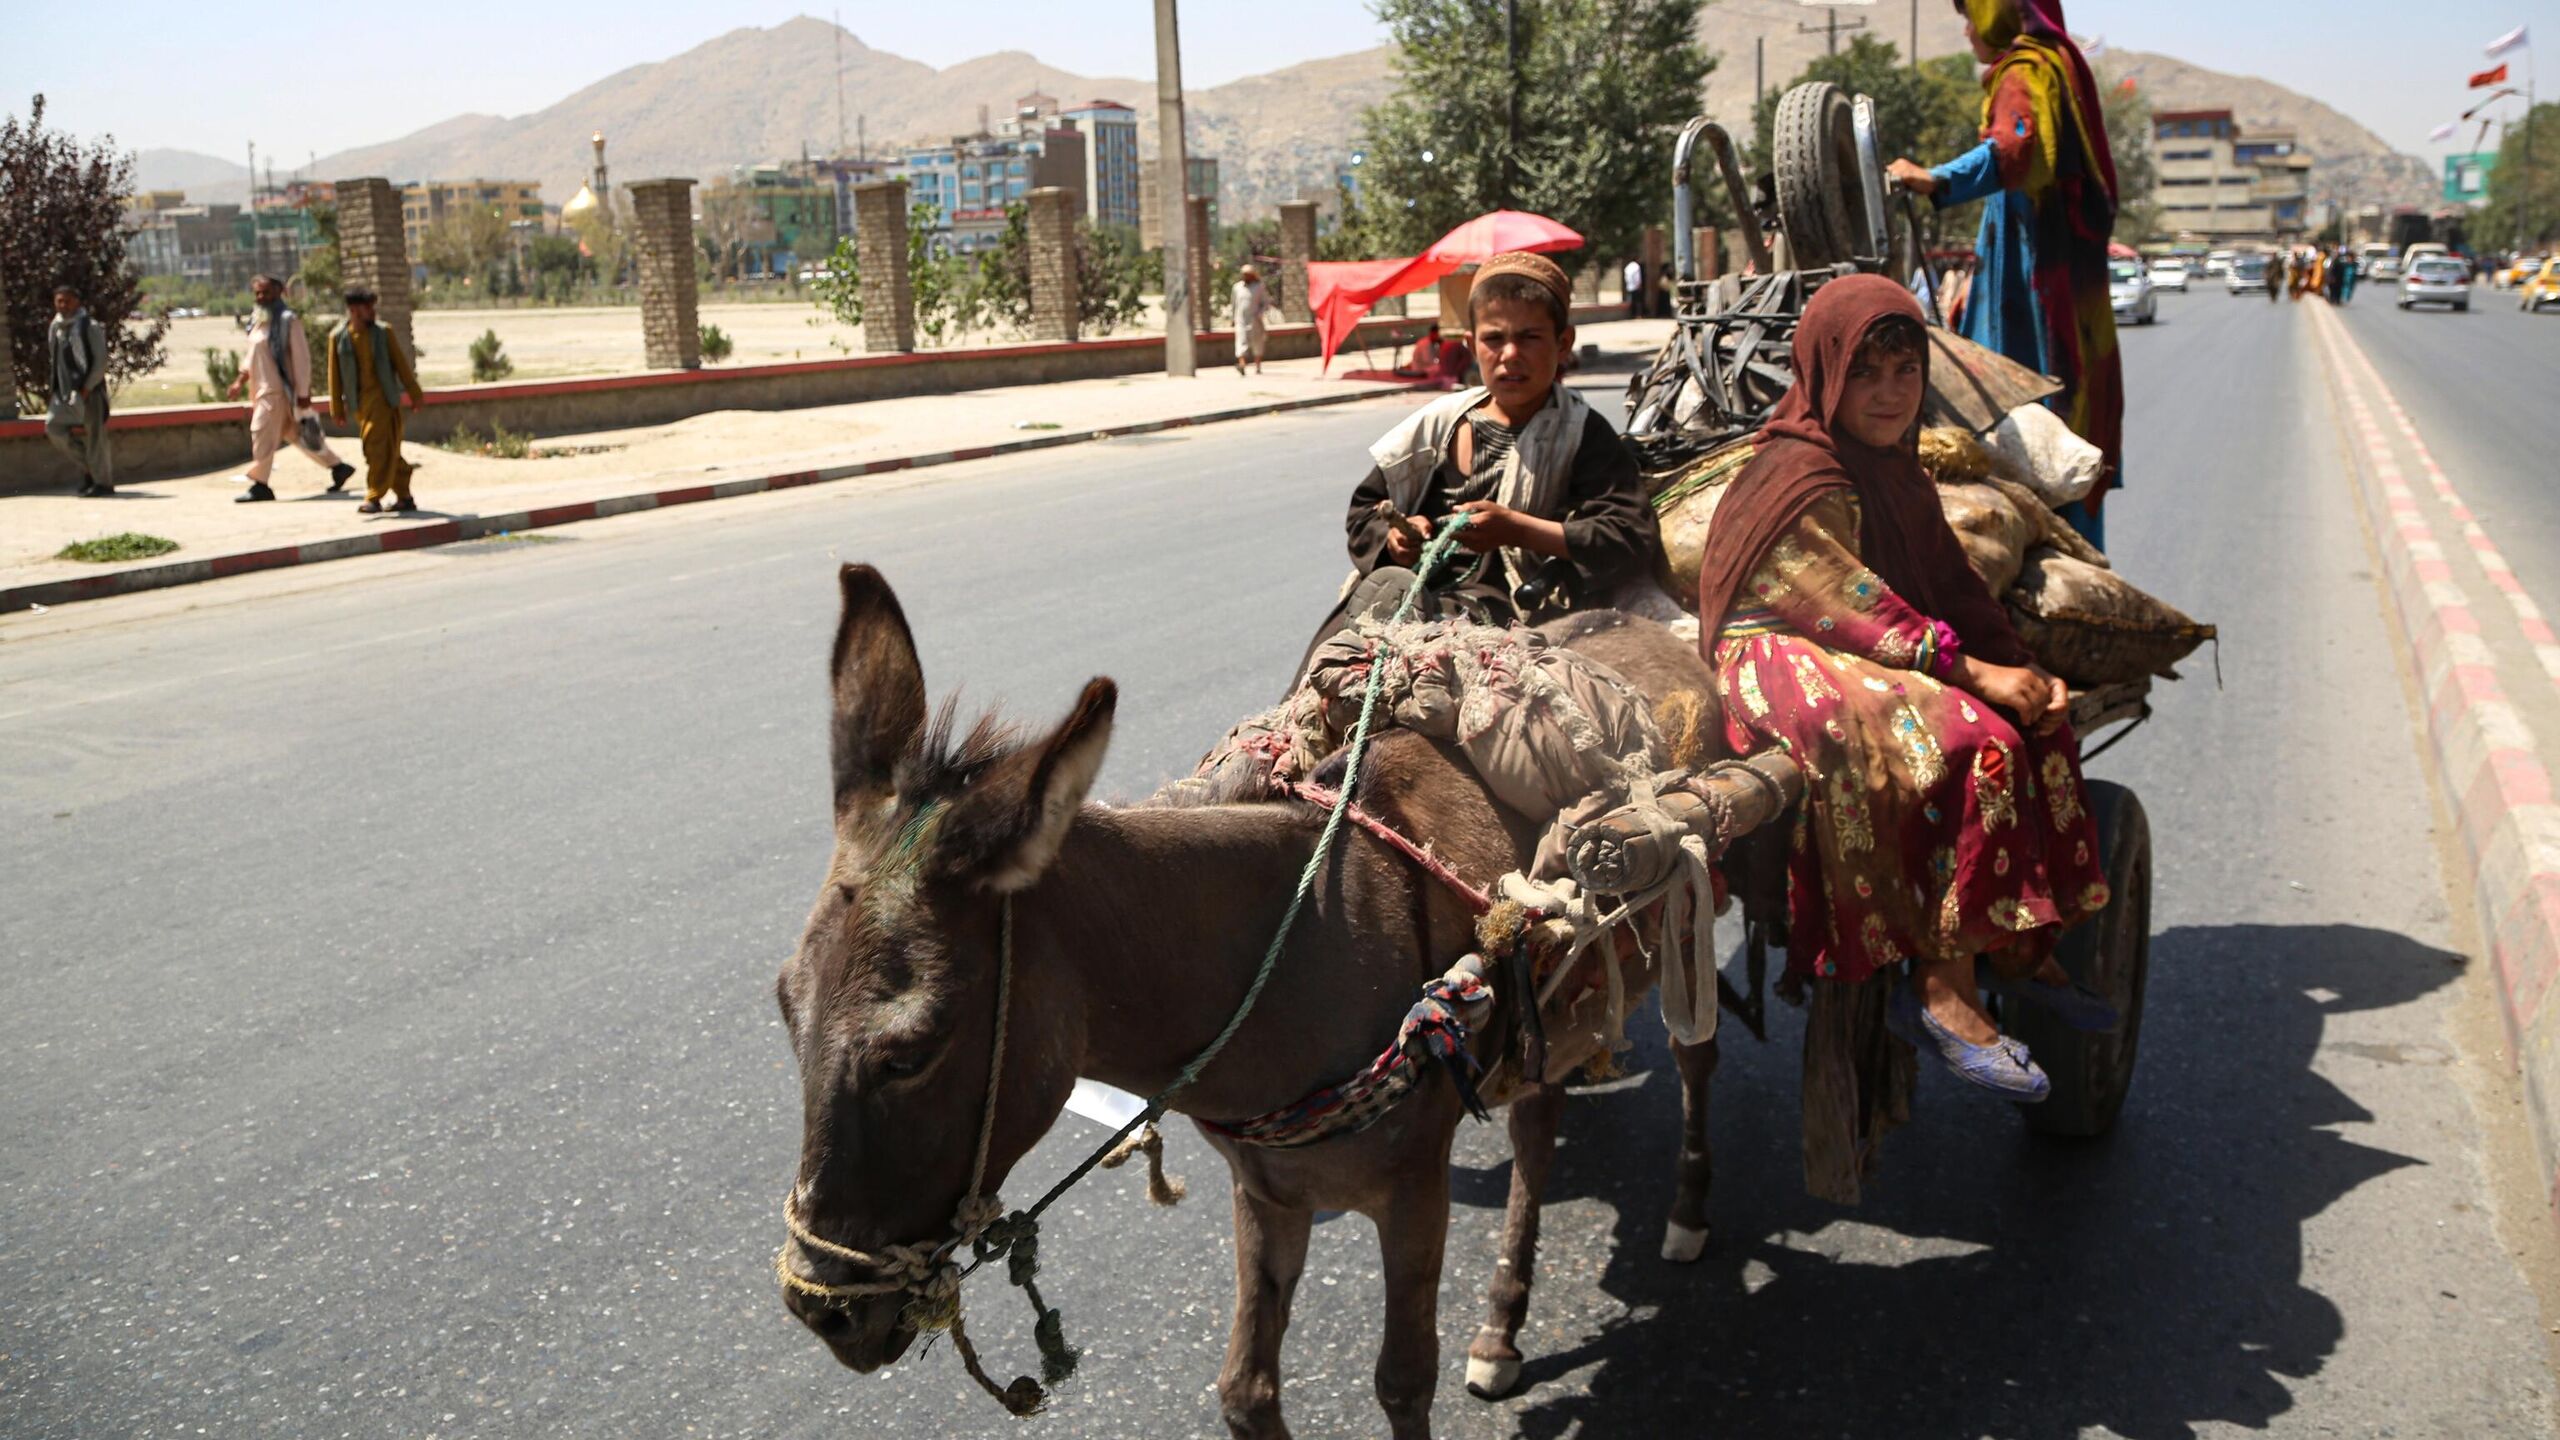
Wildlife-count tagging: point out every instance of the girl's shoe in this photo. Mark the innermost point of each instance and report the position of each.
(2003, 1066)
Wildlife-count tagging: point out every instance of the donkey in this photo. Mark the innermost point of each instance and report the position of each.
(1134, 934)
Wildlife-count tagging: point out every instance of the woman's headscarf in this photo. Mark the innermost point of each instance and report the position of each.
(1802, 454)
(2032, 40)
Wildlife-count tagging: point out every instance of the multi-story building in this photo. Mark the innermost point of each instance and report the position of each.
(970, 181)
(839, 175)
(1204, 181)
(778, 216)
(425, 204)
(2218, 182)
(1110, 160)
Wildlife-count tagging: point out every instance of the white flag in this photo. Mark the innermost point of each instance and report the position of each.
(2091, 49)
(2515, 39)
(2441, 132)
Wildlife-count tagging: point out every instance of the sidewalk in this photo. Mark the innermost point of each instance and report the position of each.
(582, 476)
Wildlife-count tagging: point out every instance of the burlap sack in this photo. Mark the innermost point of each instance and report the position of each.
(1994, 534)
(2094, 627)
(1685, 507)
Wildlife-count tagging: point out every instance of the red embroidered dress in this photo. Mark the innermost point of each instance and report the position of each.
(1931, 825)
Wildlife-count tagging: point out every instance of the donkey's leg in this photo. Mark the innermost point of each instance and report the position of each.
(1413, 1235)
(1684, 1238)
(1493, 1358)
(1271, 1252)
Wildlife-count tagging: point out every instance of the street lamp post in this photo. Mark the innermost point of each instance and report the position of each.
(1175, 203)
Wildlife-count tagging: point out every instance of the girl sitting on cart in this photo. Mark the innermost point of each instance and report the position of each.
(1945, 817)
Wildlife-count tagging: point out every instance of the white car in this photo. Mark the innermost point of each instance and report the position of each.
(2246, 273)
(2217, 263)
(2436, 280)
(2130, 287)
(2170, 274)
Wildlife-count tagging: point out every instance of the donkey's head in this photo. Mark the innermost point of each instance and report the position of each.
(891, 998)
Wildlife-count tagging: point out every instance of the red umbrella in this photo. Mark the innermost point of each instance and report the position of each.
(1499, 231)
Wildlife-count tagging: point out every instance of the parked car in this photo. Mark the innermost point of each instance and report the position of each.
(2542, 289)
(2436, 280)
(2217, 264)
(2169, 274)
(2247, 273)
(2129, 285)
(2385, 268)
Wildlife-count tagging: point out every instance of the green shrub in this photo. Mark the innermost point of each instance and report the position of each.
(221, 368)
(489, 359)
(127, 546)
(716, 344)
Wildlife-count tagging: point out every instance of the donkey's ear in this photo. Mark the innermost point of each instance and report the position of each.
(1006, 828)
(878, 689)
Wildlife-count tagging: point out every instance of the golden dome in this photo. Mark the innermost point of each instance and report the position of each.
(581, 204)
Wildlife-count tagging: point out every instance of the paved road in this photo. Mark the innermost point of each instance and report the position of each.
(387, 1028)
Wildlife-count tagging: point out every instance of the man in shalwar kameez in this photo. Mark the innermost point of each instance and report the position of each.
(370, 378)
(277, 375)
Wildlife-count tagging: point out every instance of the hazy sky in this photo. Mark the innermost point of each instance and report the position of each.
(205, 77)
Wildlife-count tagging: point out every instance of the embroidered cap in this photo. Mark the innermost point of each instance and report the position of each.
(1536, 267)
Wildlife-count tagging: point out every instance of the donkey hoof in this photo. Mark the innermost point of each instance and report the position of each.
(1680, 1244)
(1491, 1379)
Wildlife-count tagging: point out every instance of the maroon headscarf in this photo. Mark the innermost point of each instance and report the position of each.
(1801, 455)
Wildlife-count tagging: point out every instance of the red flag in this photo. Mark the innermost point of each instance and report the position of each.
(2127, 87)
(2490, 77)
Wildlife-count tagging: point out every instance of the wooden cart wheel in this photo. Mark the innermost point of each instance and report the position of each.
(1821, 208)
(2111, 954)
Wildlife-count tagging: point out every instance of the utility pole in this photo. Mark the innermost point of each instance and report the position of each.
(1173, 163)
(253, 177)
(839, 28)
(1831, 27)
(1759, 71)
(1915, 34)
(1511, 151)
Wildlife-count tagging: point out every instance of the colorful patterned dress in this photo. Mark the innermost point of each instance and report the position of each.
(1932, 825)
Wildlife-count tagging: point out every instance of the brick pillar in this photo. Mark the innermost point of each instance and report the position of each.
(1204, 306)
(1297, 247)
(8, 370)
(1586, 284)
(373, 251)
(670, 314)
(880, 248)
(1053, 263)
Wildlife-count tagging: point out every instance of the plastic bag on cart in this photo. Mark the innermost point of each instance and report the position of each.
(2033, 446)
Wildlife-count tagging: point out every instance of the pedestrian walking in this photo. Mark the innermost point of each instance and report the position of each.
(1250, 301)
(2275, 278)
(76, 421)
(277, 375)
(2348, 269)
(1631, 285)
(370, 378)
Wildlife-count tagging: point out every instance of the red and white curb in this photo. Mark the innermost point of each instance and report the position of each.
(2486, 757)
(388, 537)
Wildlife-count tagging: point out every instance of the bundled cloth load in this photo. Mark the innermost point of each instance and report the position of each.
(2084, 622)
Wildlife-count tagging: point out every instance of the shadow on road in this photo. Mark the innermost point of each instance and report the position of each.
(1994, 1282)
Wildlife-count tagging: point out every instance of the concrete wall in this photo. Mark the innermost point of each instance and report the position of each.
(156, 444)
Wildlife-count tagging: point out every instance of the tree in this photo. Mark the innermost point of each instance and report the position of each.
(321, 272)
(466, 241)
(62, 223)
(1601, 87)
(2128, 117)
(2523, 204)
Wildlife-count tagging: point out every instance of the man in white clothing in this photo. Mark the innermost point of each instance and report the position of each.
(277, 375)
(1249, 303)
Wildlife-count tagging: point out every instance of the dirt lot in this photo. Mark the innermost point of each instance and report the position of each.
(547, 343)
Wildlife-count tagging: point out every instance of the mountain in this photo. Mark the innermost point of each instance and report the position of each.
(767, 94)
(2350, 164)
(750, 95)
(203, 177)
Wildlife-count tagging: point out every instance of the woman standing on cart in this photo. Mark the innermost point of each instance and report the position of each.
(2040, 294)
(1945, 817)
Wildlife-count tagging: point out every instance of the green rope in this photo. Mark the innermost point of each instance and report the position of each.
(1017, 1236)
